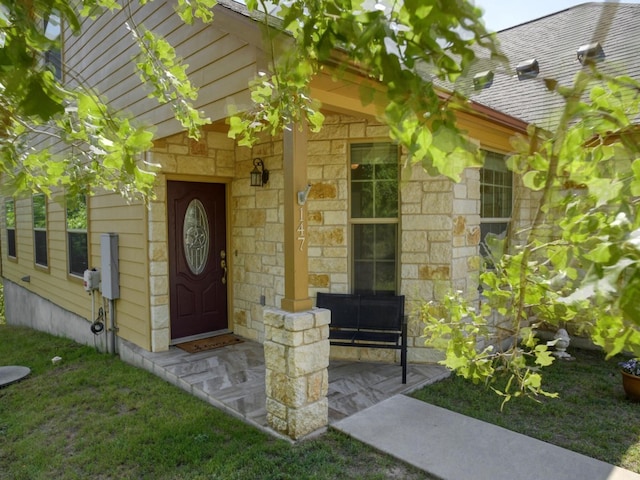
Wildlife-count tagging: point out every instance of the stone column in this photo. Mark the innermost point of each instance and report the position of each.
(296, 351)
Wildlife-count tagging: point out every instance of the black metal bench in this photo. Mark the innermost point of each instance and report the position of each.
(367, 321)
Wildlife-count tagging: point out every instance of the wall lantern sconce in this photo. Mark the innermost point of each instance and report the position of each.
(259, 174)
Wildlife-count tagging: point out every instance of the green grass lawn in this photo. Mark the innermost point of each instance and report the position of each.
(93, 416)
(591, 416)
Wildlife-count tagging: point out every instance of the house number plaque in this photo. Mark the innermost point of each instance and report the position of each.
(301, 230)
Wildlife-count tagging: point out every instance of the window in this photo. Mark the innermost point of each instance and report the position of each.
(77, 241)
(53, 56)
(40, 230)
(10, 216)
(496, 197)
(374, 217)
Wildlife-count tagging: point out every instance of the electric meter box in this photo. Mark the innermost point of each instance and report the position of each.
(110, 273)
(91, 280)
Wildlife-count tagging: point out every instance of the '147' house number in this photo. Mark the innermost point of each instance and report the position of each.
(300, 229)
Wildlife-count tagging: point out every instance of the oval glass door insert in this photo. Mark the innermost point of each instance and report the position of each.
(196, 236)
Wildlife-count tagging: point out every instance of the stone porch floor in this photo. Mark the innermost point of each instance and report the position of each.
(232, 378)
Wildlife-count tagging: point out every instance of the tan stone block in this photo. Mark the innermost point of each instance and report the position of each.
(274, 357)
(158, 252)
(333, 172)
(240, 318)
(440, 252)
(160, 340)
(433, 272)
(255, 218)
(318, 281)
(466, 207)
(166, 161)
(274, 318)
(338, 147)
(160, 144)
(286, 337)
(159, 285)
(220, 140)
(327, 236)
(459, 241)
(157, 300)
(276, 408)
(474, 263)
(290, 392)
(314, 217)
(409, 271)
(459, 225)
(424, 355)
(441, 288)
(460, 190)
(160, 317)
(158, 268)
(414, 241)
(196, 165)
(473, 236)
(410, 208)
(297, 322)
(439, 184)
(317, 386)
(318, 147)
(312, 335)
(438, 203)
(377, 131)
(330, 131)
(322, 318)
(345, 353)
(277, 423)
(323, 191)
(178, 149)
(335, 218)
(357, 130)
(411, 192)
(308, 419)
(339, 253)
(307, 359)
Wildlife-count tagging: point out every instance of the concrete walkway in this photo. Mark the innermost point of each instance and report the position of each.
(455, 447)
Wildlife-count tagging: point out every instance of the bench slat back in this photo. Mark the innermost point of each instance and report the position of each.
(370, 312)
(344, 308)
(381, 312)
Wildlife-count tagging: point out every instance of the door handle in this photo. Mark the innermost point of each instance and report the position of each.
(223, 265)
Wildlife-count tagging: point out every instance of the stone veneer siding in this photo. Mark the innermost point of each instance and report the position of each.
(213, 156)
(439, 228)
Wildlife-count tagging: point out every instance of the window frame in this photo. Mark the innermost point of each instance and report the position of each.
(77, 231)
(486, 222)
(40, 229)
(354, 222)
(53, 58)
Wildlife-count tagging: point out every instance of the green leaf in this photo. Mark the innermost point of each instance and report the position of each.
(37, 102)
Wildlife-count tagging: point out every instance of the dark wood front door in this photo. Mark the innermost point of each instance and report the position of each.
(197, 258)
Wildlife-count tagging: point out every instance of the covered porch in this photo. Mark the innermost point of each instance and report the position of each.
(232, 379)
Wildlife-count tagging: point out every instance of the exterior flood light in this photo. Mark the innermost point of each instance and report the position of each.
(483, 80)
(590, 53)
(259, 174)
(528, 69)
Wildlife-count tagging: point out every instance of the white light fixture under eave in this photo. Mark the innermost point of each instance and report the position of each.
(590, 53)
(528, 69)
(482, 80)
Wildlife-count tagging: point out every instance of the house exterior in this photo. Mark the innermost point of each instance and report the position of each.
(211, 253)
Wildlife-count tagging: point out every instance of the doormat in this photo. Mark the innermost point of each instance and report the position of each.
(210, 343)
